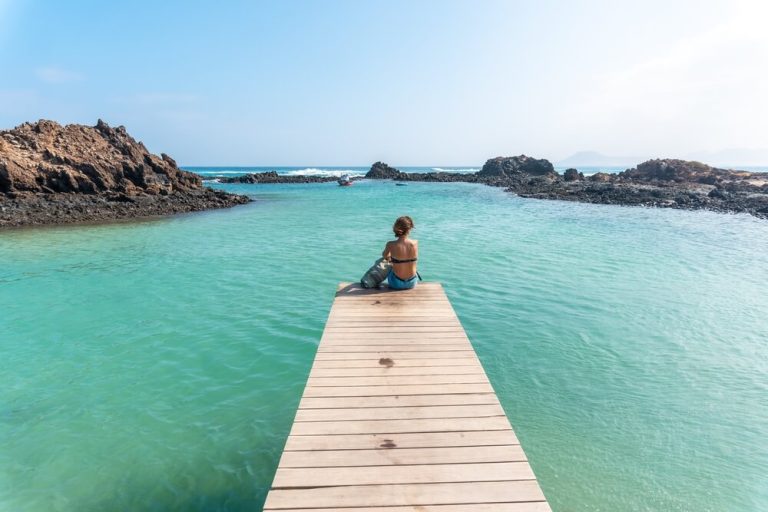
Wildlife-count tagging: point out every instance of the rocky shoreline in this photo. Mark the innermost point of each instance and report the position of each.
(271, 177)
(663, 183)
(53, 174)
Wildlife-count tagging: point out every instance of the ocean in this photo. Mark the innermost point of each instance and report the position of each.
(211, 173)
(157, 365)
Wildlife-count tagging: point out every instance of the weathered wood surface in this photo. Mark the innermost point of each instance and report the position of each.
(398, 415)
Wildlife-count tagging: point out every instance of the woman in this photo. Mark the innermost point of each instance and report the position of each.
(402, 253)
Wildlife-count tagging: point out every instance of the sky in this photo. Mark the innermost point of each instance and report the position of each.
(413, 82)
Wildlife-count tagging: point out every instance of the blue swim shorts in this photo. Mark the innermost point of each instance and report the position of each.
(400, 284)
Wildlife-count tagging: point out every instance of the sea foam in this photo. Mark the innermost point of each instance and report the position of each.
(313, 171)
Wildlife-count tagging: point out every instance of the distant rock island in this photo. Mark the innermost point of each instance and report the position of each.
(667, 183)
(272, 177)
(54, 174)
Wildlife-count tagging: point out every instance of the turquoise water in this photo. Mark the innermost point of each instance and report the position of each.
(156, 366)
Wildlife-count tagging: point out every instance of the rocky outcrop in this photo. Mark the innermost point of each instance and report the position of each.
(663, 183)
(382, 171)
(54, 174)
(516, 166)
(572, 175)
(677, 171)
(272, 177)
(666, 183)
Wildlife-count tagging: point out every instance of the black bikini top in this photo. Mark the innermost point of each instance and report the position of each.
(395, 260)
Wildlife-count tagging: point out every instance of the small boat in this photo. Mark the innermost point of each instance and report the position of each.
(345, 180)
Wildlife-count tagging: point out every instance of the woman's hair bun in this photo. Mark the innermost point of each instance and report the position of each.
(403, 225)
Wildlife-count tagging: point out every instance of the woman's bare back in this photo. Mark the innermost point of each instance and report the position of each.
(403, 254)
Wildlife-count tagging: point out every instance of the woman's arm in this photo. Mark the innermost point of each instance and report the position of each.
(386, 254)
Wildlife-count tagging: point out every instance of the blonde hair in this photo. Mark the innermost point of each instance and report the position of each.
(403, 226)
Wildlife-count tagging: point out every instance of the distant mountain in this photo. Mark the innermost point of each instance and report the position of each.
(733, 157)
(595, 159)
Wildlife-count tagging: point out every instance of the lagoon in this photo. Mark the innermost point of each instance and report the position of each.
(157, 365)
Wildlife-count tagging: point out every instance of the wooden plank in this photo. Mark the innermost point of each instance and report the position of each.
(413, 342)
(402, 347)
(400, 456)
(396, 355)
(412, 363)
(367, 336)
(352, 321)
(397, 380)
(399, 413)
(421, 389)
(356, 402)
(405, 494)
(401, 440)
(528, 506)
(306, 428)
(401, 474)
(383, 371)
(399, 307)
(396, 328)
(378, 316)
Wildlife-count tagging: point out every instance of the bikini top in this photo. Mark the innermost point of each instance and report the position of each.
(395, 260)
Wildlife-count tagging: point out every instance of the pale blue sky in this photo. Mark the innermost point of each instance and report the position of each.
(408, 82)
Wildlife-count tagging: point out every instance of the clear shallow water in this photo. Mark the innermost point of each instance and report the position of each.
(157, 365)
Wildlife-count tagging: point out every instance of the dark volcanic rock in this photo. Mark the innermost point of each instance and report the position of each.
(53, 174)
(572, 175)
(273, 177)
(382, 171)
(679, 171)
(516, 166)
(601, 177)
(662, 183)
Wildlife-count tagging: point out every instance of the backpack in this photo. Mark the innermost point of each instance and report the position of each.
(376, 274)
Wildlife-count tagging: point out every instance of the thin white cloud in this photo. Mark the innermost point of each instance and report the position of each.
(707, 90)
(57, 75)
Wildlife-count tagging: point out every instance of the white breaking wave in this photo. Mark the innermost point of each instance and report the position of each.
(458, 171)
(312, 171)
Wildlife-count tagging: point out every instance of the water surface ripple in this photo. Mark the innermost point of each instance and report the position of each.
(157, 366)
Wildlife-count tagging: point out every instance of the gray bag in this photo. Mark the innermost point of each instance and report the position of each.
(376, 274)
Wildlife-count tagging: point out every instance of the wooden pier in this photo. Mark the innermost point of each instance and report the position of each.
(398, 415)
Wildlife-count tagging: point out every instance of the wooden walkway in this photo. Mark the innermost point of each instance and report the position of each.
(399, 415)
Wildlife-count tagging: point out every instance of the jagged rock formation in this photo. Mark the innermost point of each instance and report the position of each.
(661, 183)
(572, 175)
(382, 171)
(53, 174)
(272, 177)
(516, 166)
(666, 183)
